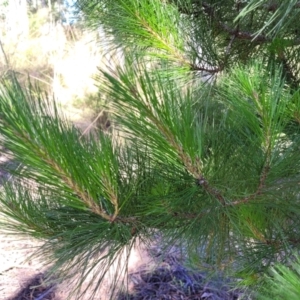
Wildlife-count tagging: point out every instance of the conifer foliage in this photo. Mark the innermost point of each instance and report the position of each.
(211, 164)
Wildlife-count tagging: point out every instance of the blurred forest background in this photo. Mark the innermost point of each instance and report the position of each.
(45, 41)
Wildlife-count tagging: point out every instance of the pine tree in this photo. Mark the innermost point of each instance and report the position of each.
(205, 150)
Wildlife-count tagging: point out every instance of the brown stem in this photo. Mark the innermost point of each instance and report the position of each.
(205, 69)
(85, 197)
(260, 187)
(211, 190)
(242, 35)
(233, 31)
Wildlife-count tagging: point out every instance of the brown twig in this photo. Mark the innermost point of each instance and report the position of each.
(85, 197)
(260, 187)
(242, 35)
(211, 190)
(215, 70)
(87, 129)
(245, 35)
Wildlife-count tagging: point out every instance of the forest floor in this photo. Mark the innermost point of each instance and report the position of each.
(22, 277)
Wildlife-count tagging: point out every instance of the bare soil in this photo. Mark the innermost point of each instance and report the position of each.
(22, 275)
(17, 270)
(165, 278)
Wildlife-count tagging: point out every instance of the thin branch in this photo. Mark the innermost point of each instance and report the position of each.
(245, 35)
(174, 51)
(194, 67)
(260, 187)
(211, 190)
(191, 167)
(242, 35)
(85, 197)
(87, 129)
(228, 48)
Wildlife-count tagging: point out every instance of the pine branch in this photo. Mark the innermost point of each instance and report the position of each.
(244, 35)
(66, 178)
(193, 167)
(177, 56)
(85, 197)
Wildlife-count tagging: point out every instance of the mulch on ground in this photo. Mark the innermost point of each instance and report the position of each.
(36, 290)
(168, 281)
(172, 281)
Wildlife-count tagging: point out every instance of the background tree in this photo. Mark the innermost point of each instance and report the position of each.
(211, 165)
